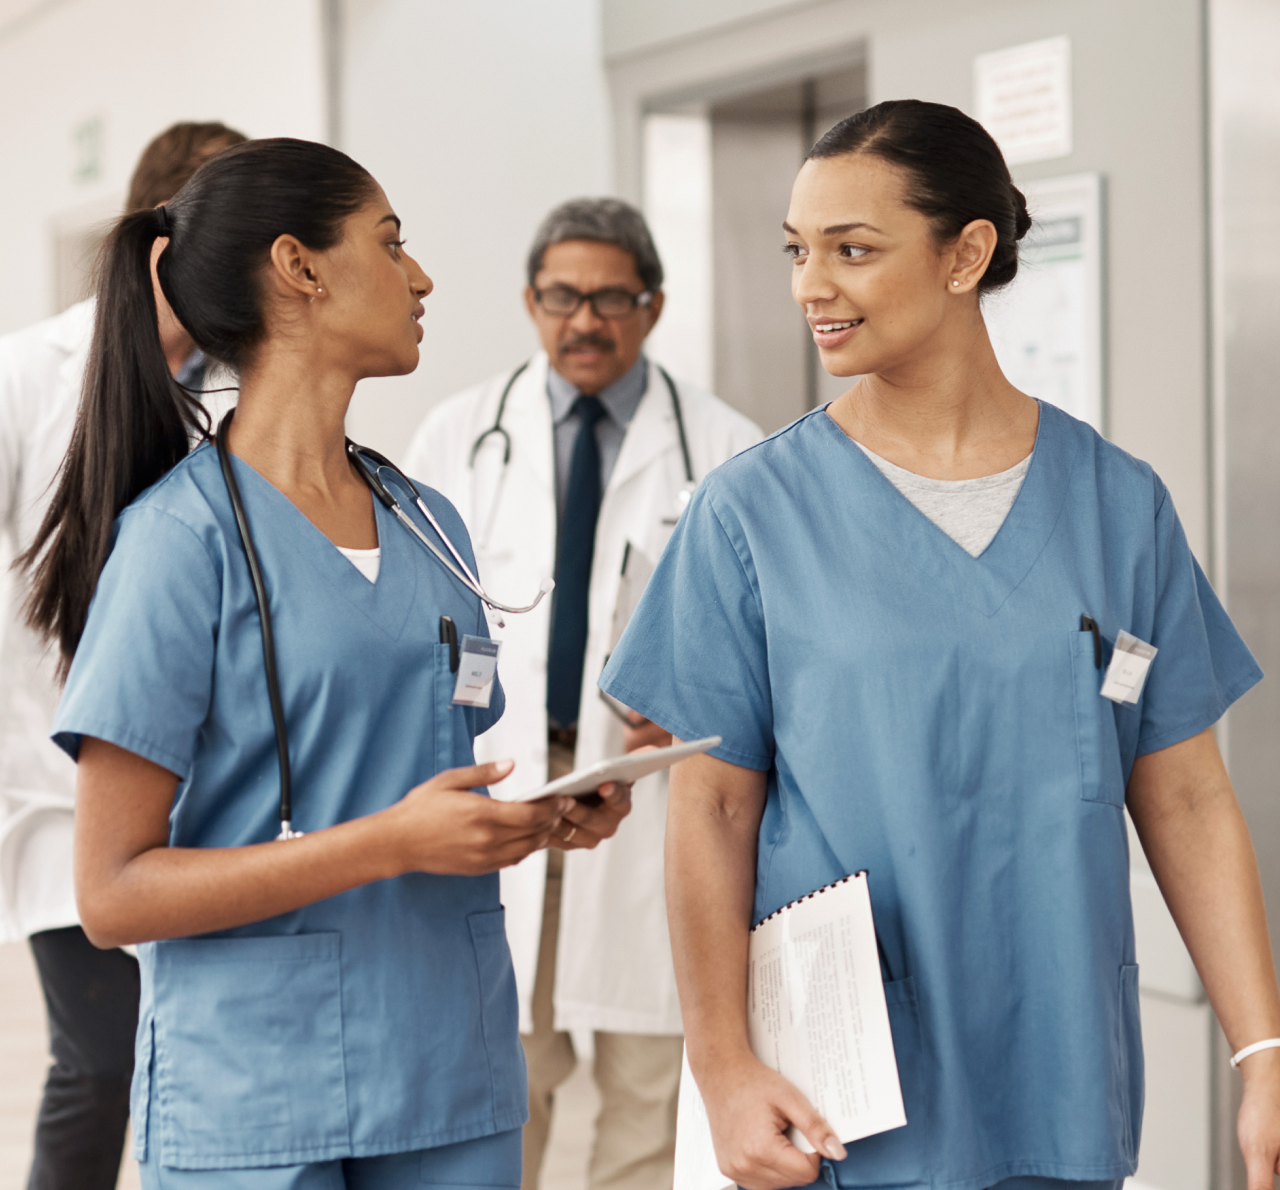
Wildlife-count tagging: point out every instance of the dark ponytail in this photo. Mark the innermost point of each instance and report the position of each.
(955, 172)
(135, 422)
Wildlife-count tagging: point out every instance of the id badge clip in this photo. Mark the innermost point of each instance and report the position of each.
(1127, 674)
(477, 668)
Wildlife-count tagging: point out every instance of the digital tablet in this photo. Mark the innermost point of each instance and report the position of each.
(624, 769)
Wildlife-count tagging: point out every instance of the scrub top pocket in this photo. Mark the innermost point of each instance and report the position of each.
(1101, 774)
(898, 1157)
(249, 1064)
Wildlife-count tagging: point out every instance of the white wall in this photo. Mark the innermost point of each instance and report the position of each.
(476, 119)
(137, 66)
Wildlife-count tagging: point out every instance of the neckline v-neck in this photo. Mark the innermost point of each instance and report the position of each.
(386, 601)
(988, 580)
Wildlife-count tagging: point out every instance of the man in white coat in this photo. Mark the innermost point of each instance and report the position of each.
(91, 995)
(577, 464)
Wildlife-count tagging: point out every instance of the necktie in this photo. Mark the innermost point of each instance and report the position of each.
(573, 568)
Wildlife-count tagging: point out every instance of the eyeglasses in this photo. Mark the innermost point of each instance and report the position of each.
(562, 301)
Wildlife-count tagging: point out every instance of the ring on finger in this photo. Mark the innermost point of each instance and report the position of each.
(573, 830)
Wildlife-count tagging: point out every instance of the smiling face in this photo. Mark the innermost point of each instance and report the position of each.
(589, 351)
(368, 313)
(877, 289)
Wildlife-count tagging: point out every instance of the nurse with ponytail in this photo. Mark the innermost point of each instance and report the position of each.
(335, 1009)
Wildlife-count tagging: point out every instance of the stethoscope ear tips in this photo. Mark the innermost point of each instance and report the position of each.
(547, 585)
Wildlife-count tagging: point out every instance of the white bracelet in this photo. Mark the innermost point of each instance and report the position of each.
(1271, 1043)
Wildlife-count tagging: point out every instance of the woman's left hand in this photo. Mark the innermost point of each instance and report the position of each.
(1258, 1126)
(589, 822)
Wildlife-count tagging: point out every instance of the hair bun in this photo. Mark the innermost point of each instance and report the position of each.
(1021, 217)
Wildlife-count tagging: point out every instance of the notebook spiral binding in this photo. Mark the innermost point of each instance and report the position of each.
(808, 897)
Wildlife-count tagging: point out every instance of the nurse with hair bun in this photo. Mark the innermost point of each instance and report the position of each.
(922, 619)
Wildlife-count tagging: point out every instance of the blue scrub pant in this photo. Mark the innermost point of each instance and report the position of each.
(487, 1161)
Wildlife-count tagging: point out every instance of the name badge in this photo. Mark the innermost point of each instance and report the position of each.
(477, 667)
(1127, 673)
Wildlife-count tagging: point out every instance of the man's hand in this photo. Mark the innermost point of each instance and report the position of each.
(643, 733)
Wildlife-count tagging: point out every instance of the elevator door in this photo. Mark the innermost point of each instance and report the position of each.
(718, 178)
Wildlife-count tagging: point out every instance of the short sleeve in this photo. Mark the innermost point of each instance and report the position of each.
(1203, 665)
(693, 658)
(142, 676)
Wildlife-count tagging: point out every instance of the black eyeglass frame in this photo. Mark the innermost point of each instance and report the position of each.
(638, 300)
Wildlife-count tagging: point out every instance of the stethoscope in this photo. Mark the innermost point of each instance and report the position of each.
(499, 430)
(456, 566)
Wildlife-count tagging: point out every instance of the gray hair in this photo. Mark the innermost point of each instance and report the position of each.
(607, 221)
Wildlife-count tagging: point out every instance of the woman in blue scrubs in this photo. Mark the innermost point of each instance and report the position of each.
(899, 612)
(336, 1009)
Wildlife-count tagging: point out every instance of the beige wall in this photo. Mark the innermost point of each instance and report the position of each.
(134, 67)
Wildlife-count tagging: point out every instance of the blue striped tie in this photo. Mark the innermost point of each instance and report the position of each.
(574, 553)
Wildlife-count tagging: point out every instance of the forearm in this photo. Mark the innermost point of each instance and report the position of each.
(172, 892)
(1200, 853)
(712, 826)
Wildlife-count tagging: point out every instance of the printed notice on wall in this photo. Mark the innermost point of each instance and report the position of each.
(1046, 327)
(1022, 96)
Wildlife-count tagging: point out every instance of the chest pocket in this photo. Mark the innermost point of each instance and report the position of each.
(1101, 773)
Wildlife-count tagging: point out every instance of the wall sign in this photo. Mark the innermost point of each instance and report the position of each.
(1047, 327)
(1022, 96)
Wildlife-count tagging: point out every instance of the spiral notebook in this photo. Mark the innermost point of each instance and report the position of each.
(816, 1013)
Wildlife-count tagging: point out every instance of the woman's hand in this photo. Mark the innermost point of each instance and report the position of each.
(1196, 840)
(750, 1108)
(588, 821)
(442, 826)
(1258, 1125)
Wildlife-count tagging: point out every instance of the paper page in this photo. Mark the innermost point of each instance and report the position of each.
(696, 1167)
(817, 1015)
(817, 1012)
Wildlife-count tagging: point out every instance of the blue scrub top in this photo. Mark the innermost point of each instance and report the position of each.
(936, 719)
(379, 1021)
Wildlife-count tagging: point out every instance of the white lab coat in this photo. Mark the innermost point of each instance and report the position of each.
(41, 374)
(613, 965)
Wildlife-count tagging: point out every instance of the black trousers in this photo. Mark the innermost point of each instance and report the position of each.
(92, 1000)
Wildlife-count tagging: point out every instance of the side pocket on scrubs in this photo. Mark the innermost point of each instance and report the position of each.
(499, 1013)
(249, 1061)
(140, 1088)
(1101, 774)
(1130, 1060)
(900, 1156)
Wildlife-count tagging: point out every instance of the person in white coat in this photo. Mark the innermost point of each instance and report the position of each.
(577, 464)
(91, 995)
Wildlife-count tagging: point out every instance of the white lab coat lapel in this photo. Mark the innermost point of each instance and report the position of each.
(599, 984)
(614, 961)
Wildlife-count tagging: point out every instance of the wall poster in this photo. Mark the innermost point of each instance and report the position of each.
(1047, 327)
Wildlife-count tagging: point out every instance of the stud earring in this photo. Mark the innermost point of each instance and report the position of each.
(319, 290)
(955, 284)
